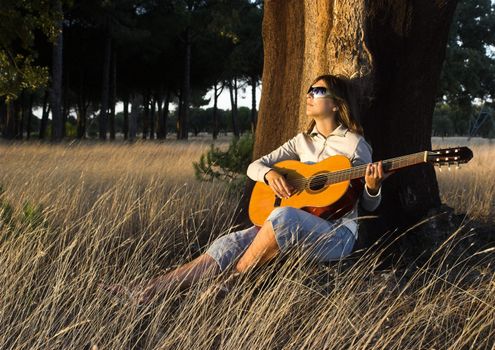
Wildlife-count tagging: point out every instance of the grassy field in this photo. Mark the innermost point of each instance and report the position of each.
(75, 215)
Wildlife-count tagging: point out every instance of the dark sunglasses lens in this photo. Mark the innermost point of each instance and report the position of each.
(318, 90)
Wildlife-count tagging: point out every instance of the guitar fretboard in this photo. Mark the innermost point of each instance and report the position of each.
(388, 165)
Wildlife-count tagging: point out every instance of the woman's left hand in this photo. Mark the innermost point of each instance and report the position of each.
(374, 177)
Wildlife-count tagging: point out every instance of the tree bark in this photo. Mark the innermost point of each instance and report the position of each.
(392, 52)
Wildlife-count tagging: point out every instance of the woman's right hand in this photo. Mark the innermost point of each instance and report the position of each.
(278, 184)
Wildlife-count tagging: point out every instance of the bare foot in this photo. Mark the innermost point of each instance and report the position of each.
(115, 289)
(143, 295)
(221, 289)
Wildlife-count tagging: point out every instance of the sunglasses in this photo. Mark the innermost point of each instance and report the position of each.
(318, 92)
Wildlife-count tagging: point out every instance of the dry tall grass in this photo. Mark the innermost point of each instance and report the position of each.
(120, 213)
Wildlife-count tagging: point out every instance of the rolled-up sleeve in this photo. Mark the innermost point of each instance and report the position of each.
(257, 169)
(362, 155)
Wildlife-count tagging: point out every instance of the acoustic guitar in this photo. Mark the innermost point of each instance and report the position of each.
(330, 188)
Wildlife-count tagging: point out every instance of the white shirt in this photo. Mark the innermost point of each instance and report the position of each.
(315, 148)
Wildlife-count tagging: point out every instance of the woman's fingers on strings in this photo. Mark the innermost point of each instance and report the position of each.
(276, 189)
(282, 188)
(286, 188)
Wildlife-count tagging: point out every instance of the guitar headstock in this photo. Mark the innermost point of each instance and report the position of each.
(449, 156)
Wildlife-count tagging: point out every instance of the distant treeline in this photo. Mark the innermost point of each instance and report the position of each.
(75, 60)
(200, 122)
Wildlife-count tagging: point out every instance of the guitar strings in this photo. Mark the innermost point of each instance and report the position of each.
(342, 175)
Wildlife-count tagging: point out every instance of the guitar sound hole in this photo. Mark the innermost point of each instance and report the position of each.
(317, 182)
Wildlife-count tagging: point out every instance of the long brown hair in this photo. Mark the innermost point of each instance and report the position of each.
(338, 89)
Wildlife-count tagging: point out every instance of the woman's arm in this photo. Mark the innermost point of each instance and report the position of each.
(372, 193)
(258, 169)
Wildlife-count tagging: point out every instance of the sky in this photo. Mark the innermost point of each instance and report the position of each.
(244, 98)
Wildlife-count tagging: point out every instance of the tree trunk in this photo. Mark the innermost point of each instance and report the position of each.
(44, 116)
(56, 90)
(24, 114)
(392, 51)
(8, 130)
(65, 106)
(105, 82)
(185, 93)
(3, 115)
(179, 113)
(134, 116)
(29, 116)
(165, 113)
(113, 95)
(82, 111)
(216, 94)
(233, 104)
(159, 116)
(152, 118)
(125, 126)
(254, 82)
(146, 111)
(18, 112)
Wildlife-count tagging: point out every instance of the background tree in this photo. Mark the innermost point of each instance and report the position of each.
(19, 23)
(56, 82)
(469, 68)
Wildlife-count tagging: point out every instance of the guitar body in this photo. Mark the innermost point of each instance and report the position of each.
(312, 194)
(330, 189)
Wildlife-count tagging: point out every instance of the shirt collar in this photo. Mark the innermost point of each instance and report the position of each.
(338, 131)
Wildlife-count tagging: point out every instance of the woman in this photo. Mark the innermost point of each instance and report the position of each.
(332, 130)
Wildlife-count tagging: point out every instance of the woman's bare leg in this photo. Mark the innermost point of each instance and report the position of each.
(263, 248)
(186, 275)
(178, 279)
(181, 278)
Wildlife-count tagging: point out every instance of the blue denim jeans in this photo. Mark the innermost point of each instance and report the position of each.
(320, 239)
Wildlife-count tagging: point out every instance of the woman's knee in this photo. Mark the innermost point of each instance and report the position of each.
(210, 263)
(282, 212)
(284, 222)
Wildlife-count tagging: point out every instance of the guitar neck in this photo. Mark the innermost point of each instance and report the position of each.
(388, 165)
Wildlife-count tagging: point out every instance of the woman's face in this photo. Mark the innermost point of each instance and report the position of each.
(320, 106)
